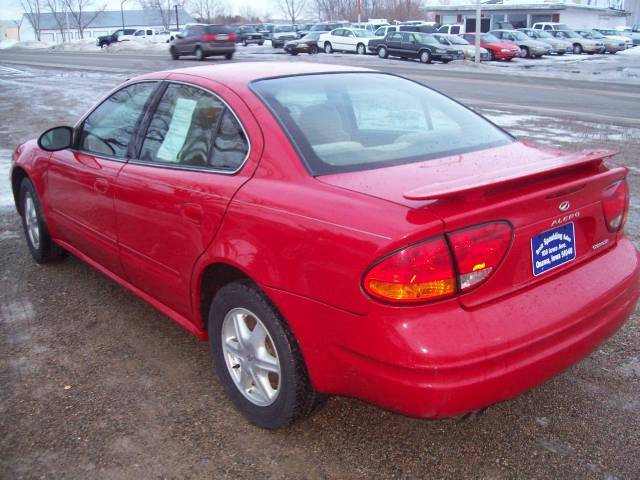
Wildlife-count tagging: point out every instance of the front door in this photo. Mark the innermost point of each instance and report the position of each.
(80, 181)
(171, 199)
(395, 43)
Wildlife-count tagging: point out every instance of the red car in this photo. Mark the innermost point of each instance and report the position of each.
(404, 251)
(498, 50)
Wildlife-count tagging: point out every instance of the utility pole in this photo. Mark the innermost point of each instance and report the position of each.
(359, 9)
(478, 31)
(122, 13)
(177, 21)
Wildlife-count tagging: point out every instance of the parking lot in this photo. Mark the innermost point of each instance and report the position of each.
(96, 383)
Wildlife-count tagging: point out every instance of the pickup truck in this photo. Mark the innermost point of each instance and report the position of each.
(117, 36)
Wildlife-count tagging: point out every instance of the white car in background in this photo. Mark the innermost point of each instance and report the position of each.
(616, 36)
(346, 40)
(147, 34)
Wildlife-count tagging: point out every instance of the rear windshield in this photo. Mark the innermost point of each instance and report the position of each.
(359, 121)
(217, 29)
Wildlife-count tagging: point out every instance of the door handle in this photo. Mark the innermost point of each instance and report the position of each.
(101, 185)
(193, 212)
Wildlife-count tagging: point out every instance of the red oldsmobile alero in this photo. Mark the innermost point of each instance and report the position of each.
(338, 231)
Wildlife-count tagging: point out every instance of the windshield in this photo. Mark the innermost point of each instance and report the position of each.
(519, 36)
(248, 29)
(595, 34)
(424, 38)
(312, 36)
(571, 34)
(457, 40)
(442, 39)
(609, 32)
(363, 33)
(285, 28)
(487, 37)
(336, 127)
(542, 34)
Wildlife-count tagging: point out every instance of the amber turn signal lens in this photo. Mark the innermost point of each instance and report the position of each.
(412, 292)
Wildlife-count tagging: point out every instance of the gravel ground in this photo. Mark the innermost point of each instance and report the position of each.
(95, 383)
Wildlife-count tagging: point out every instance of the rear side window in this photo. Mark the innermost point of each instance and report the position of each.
(192, 127)
(210, 29)
(336, 127)
(108, 129)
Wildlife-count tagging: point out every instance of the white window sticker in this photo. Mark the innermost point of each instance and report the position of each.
(178, 129)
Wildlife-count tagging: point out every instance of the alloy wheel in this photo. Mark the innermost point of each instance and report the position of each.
(31, 218)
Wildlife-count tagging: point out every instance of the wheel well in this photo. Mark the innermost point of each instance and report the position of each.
(215, 277)
(17, 176)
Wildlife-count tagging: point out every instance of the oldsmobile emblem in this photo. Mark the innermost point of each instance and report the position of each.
(564, 206)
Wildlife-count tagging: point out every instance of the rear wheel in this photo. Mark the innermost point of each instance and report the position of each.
(174, 53)
(328, 48)
(425, 56)
(199, 54)
(382, 52)
(491, 56)
(577, 48)
(313, 50)
(42, 248)
(257, 358)
(293, 52)
(245, 43)
(361, 49)
(524, 52)
(228, 56)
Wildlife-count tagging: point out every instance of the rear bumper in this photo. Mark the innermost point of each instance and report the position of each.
(505, 55)
(218, 49)
(441, 360)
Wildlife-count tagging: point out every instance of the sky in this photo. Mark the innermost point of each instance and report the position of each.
(10, 9)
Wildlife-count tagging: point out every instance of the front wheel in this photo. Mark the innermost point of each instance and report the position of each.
(245, 43)
(577, 49)
(361, 49)
(382, 52)
(491, 56)
(313, 50)
(174, 53)
(199, 54)
(425, 56)
(257, 358)
(524, 52)
(328, 48)
(42, 248)
(228, 56)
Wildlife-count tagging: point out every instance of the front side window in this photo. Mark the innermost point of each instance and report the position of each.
(336, 127)
(108, 129)
(183, 131)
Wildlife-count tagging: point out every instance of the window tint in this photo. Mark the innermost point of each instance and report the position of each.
(223, 29)
(396, 37)
(183, 129)
(337, 128)
(108, 129)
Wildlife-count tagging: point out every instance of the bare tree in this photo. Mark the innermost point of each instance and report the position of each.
(164, 9)
(33, 11)
(292, 9)
(56, 8)
(207, 10)
(78, 11)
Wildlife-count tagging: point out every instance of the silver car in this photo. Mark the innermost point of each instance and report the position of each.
(461, 44)
(558, 45)
(610, 45)
(615, 35)
(529, 47)
(580, 44)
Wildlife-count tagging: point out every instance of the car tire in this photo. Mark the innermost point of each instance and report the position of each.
(383, 53)
(271, 397)
(313, 50)
(260, 43)
(560, 53)
(42, 248)
(577, 48)
(228, 56)
(525, 52)
(490, 55)
(244, 43)
(425, 56)
(445, 61)
(328, 48)
(174, 53)
(199, 54)
(293, 52)
(361, 49)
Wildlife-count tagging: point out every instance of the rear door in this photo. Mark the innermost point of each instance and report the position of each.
(410, 45)
(394, 44)
(199, 146)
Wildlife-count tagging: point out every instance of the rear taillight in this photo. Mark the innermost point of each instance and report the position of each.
(615, 204)
(417, 273)
(478, 251)
(232, 36)
(209, 37)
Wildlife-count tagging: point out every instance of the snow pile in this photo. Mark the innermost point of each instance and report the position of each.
(29, 44)
(82, 45)
(137, 45)
(631, 52)
(6, 197)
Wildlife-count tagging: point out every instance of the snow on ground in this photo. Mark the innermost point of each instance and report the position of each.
(136, 46)
(81, 45)
(28, 45)
(6, 197)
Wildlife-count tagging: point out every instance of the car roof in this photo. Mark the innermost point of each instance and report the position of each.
(242, 73)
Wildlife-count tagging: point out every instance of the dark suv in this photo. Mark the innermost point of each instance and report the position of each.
(204, 41)
(418, 45)
(246, 34)
(106, 40)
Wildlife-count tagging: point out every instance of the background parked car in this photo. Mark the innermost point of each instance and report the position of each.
(204, 41)
(580, 44)
(303, 29)
(610, 45)
(266, 30)
(633, 32)
(106, 40)
(282, 34)
(461, 44)
(615, 35)
(454, 29)
(382, 31)
(423, 46)
(346, 40)
(550, 26)
(529, 47)
(559, 46)
(306, 44)
(497, 49)
(247, 34)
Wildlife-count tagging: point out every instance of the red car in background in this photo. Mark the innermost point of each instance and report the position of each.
(498, 50)
(402, 250)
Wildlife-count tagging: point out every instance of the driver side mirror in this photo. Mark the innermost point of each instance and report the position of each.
(55, 139)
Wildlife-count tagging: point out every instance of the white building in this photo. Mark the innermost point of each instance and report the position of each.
(54, 27)
(579, 14)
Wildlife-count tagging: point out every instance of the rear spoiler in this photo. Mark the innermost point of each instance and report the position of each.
(517, 173)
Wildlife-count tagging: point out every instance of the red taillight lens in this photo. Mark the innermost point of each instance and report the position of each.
(615, 203)
(478, 252)
(209, 37)
(414, 274)
(232, 36)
